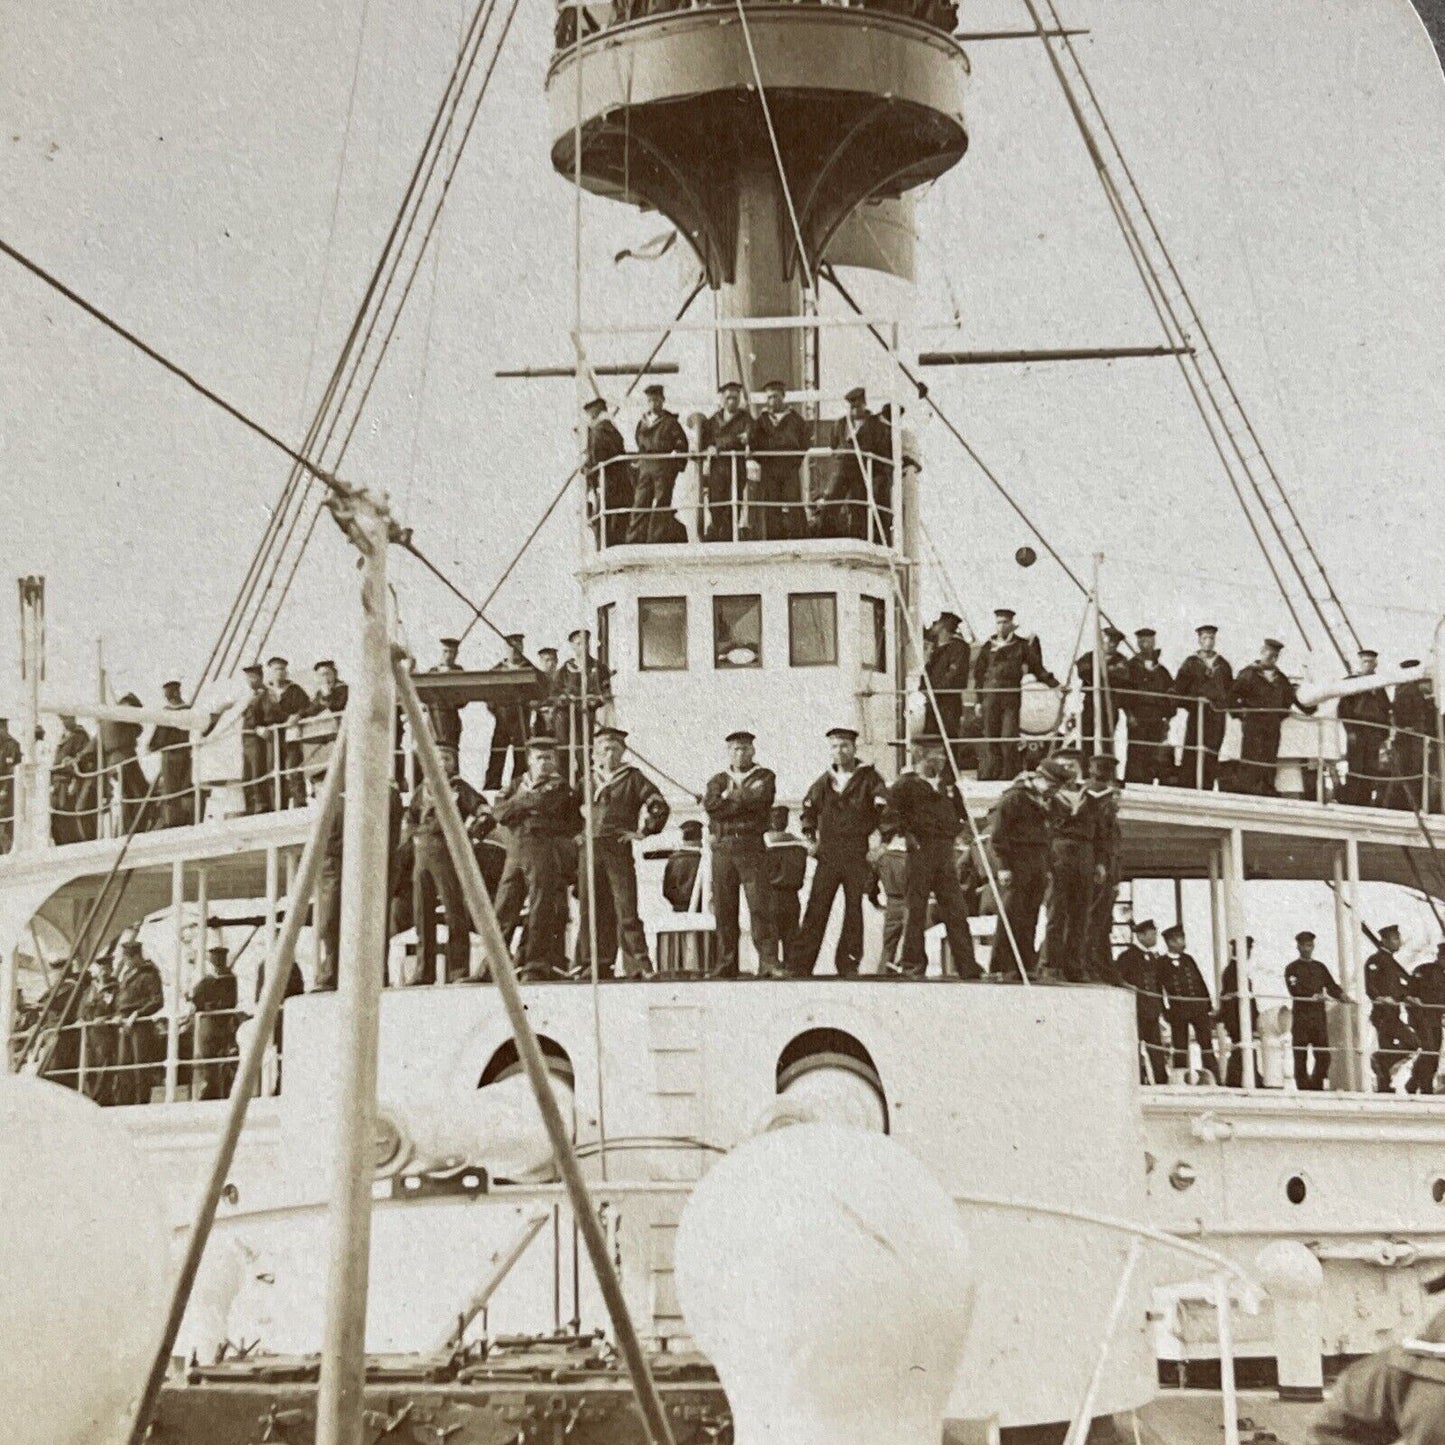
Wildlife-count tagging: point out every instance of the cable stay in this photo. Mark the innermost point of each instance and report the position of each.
(1257, 484)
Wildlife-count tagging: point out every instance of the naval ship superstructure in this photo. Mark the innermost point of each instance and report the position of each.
(762, 132)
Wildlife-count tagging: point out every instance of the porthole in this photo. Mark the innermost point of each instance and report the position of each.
(1437, 1189)
(1296, 1188)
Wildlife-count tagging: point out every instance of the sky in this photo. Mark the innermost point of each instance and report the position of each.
(221, 179)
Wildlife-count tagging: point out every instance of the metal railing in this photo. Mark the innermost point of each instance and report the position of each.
(941, 15)
(743, 496)
(124, 1061)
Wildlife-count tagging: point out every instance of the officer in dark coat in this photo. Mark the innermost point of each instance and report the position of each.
(925, 808)
(1310, 983)
(1426, 994)
(285, 702)
(1366, 717)
(445, 717)
(1019, 836)
(582, 688)
(1228, 1015)
(1076, 869)
(728, 499)
(999, 669)
(215, 1001)
(679, 873)
(862, 448)
(544, 816)
(738, 802)
(435, 879)
(786, 858)
(1137, 968)
(509, 730)
(1386, 986)
(1394, 1397)
(1113, 683)
(1263, 697)
(662, 449)
(1187, 1004)
(609, 476)
(119, 742)
(177, 797)
(73, 781)
(1203, 686)
(841, 809)
(1148, 703)
(102, 1033)
(139, 997)
(947, 674)
(1413, 716)
(257, 790)
(10, 759)
(777, 441)
(626, 804)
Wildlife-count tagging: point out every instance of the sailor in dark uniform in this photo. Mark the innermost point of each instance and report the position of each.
(1386, 986)
(1103, 788)
(285, 702)
(119, 741)
(544, 816)
(947, 674)
(738, 802)
(626, 804)
(1076, 873)
(1414, 719)
(862, 447)
(73, 782)
(139, 997)
(662, 449)
(215, 1001)
(10, 759)
(1263, 697)
(787, 867)
(728, 501)
(509, 731)
(1187, 1004)
(332, 694)
(925, 808)
(256, 789)
(1366, 717)
(445, 717)
(609, 476)
(679, 873)
(1203, 686)
(1137, 968)
(777, 441)
(1394, 1397)
(1310, 983)
(1113, 683)
(840, 813)
(435, 880)
(1149, 704)
(1019, 838)
(1426, 993)
(999, 669)
(177, 796)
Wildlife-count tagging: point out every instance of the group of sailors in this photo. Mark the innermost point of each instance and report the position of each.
(751, 471)
(1137, 697)
(1174, 1006)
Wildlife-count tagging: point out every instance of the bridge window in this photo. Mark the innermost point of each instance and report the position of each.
(737, 631)
(604, 633)
(873, 634)
(812, 629)
(662, 634)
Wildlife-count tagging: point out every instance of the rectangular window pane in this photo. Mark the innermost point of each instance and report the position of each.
(737, 631)
(662, 633)
(812, 629)
(604, 634)
(873, 634)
